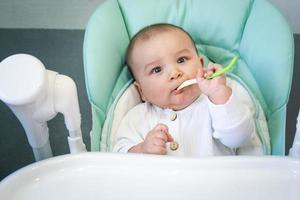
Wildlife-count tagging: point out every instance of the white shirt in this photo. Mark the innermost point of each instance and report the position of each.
(201, 129)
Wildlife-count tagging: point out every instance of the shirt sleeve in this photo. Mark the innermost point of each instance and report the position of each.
(132, 130)
(232, 122)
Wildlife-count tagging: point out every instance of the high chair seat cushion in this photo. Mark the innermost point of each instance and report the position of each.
(123, 103)
(252, 29)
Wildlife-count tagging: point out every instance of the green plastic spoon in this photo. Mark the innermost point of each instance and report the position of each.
(217, 73)
(225, 69)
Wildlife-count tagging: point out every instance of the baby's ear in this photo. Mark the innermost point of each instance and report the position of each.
(139, 88)
(201, 60)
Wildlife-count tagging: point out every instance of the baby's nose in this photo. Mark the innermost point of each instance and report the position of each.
(175, 74)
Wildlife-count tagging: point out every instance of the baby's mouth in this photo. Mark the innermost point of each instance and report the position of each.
(187, 83)
(176, 88)
(176, 91)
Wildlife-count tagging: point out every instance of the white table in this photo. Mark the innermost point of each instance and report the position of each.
(129, 176)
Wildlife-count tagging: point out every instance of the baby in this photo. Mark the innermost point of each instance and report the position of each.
(204, 119)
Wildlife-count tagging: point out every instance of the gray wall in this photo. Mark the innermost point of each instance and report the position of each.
(73, 14)
(291, 10)
(48, 14)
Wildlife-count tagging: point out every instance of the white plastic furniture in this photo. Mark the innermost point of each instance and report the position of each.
(36, 95)
(295, 150)
(108, 176)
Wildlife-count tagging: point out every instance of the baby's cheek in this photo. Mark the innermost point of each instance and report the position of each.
(159, 94)
(199, 71)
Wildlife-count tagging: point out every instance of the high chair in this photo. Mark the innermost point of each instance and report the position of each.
(252, 29)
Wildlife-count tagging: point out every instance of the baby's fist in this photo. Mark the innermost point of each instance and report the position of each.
(156, 139)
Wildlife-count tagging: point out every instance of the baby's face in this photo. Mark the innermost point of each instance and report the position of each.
(161, 63)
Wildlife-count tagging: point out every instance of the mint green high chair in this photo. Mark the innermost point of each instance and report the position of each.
(252, 29)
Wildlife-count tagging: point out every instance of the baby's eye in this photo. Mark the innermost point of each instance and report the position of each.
(181, 60)
(156, 70)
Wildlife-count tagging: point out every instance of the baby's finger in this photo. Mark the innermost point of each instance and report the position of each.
(170, 138)
(214, 66)
(209, 72)
(161, 135)
(159, 142)
(161, 150)
(161, 127)
(200, 76)
(157, 150)
(212, 69)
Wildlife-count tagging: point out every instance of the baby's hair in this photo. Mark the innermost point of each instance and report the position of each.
(148, 32)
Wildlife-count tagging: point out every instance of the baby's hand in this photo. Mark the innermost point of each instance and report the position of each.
(156, 139)
(215, 88)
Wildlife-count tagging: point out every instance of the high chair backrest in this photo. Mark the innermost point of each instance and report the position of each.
(251, 29)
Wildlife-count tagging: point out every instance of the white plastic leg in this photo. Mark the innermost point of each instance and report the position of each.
(43, 152)
(66, 102)
(295, 150)
(76, 143)
(37, 132)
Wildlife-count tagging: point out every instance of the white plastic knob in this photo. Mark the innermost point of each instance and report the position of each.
(22, 77)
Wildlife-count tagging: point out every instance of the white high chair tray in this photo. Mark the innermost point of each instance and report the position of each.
(136, 176)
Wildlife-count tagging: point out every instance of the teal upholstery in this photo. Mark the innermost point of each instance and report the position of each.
(252, 29)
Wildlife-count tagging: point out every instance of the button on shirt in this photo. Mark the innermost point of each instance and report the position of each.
(173, 116)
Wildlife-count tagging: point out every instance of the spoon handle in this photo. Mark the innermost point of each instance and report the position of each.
(225, 69)
(187, 83)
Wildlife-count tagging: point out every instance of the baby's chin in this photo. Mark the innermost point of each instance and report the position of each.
(184, 102)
